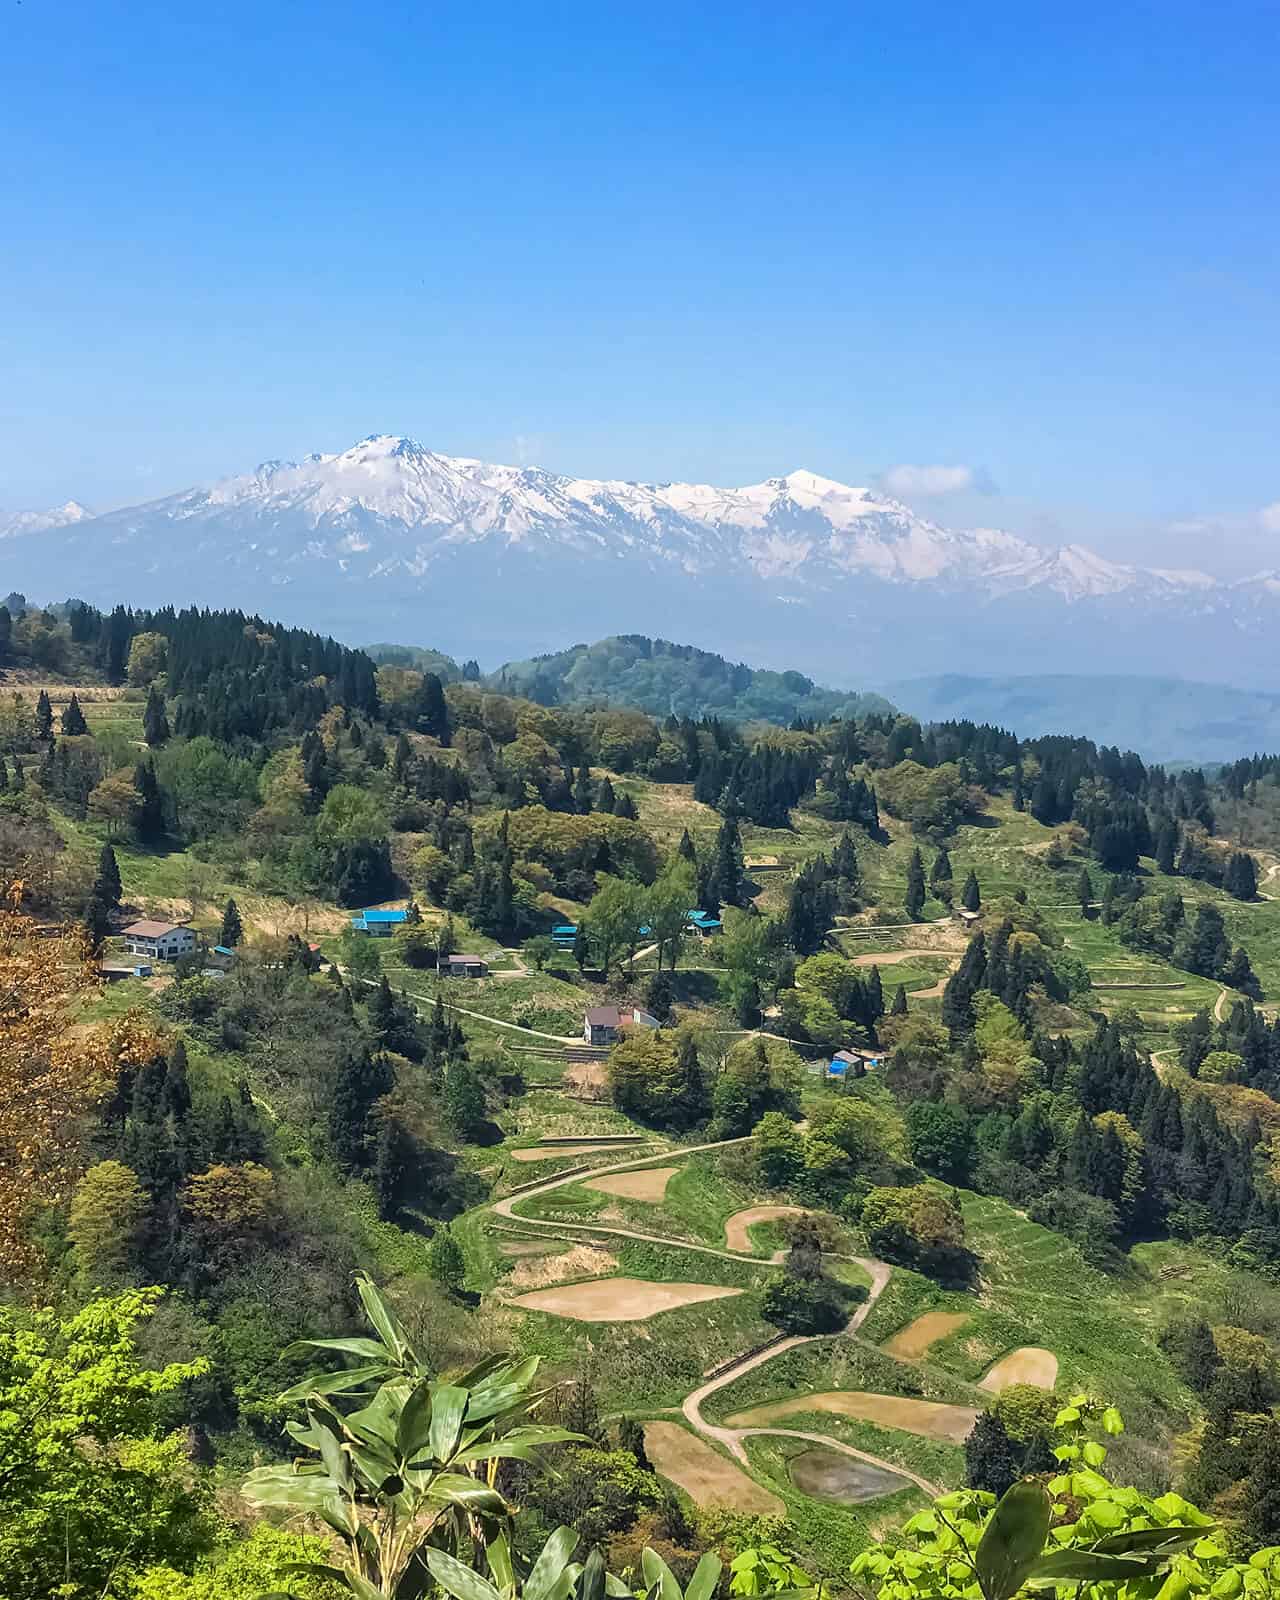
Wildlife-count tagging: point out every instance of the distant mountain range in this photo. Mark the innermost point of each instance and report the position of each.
(389, 538)
(1163, 719)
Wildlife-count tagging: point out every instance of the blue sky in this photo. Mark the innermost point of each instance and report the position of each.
(1039, 244)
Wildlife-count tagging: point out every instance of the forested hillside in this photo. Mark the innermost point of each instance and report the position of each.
(664, 679)
(948, 1052)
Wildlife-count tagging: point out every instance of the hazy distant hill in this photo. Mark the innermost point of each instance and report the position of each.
(1163, 719)
(661, 678)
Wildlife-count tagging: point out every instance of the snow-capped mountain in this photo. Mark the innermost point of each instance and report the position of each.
(504, 560)
(15, 523)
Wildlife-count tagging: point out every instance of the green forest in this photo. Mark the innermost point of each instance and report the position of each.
(846, 1159)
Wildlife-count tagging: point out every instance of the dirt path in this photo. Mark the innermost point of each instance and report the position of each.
(728, 1438)
(1220, 1005)
(480, 1016)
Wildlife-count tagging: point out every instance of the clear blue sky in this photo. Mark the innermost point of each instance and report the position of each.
(656, 241)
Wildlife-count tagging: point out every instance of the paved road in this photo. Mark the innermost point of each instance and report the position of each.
(729, 1438)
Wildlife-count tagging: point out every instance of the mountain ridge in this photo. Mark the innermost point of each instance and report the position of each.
(384, 529)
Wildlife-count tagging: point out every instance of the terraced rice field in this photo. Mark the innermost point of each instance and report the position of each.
(707, 1477)
(618, 1299)
(1030, 1365)
(832, 1475)
(540, 1152)
(649, 1185)
(737, 1228)
(930, 1419)
(918, 1337)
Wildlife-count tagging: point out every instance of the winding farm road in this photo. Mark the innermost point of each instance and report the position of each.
(730, 1439)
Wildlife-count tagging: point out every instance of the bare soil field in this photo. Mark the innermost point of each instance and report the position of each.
(1030, 1365)
(650, 1185)
(708, 1478)
(919, 1337)
(928, 1418)
(517, 1248)
(542, 1152)
(829, 1475)
(736, 1236)
(619, 1299)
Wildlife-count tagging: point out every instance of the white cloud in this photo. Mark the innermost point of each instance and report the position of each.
(1269, 517)
(913, 481)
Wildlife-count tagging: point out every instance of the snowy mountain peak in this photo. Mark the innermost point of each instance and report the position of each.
(506, 560)
(16, 523)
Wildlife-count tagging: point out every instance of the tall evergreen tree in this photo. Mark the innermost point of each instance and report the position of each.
(362, 1080)
(685, 849)
(463, 1099)
(971, 897)
(44, 717)
(728, 865)
(155, 719)
(606, 799)
(1260, 1501)
(72, 720)
(232, 928)
(1084, 891)
(899, 1006)
(914, 898)
(107, 886)
(430, 710)
(582, 790)
(149, 814)
(625, 806)
(1240, 879)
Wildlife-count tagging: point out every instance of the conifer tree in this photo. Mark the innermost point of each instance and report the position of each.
(582, 791)
(430, 710)
(875, 996)
(914, 899)
(232, 928)
(940, 875)
(728, 866)
(44, 717)
(4, 776)
(625, 806)
(107, 886)
(1166, 846)
(155, 720)
(72, 720)
(464, 1106)
(149, 815)
(1240, 878)
(899, 1006)
(606, 800)
(1260, 1501)
(971, 898)
(685, 849)
(1084, 891)
(362, 1079)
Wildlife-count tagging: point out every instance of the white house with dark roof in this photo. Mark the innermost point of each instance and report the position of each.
(162, 941)
(602, 1024)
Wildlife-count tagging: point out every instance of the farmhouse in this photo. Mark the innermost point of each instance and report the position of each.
(855, 1061)
(703, 924)
(464, 967)
(161, 941)
(379, 924)
(602, 1024)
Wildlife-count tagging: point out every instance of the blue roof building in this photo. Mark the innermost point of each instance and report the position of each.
(703, 922)
(380, 924)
